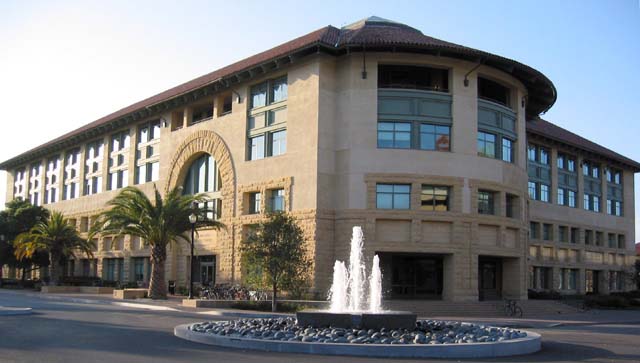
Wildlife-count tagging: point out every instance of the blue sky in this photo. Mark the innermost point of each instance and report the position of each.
(66, 63)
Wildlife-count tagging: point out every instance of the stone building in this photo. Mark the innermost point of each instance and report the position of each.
(436, 149)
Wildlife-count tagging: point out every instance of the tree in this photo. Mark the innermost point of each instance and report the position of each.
(19, 217)
(277, 255)
(158, 224)
(56, 237)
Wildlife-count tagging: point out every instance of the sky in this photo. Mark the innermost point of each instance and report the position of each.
(66, 63)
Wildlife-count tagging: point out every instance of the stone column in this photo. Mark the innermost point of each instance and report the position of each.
(581, 284)
(82, 163)
(106, 149)
(187, 116)
(133, 147)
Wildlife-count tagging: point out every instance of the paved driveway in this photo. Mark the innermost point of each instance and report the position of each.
(67, 331)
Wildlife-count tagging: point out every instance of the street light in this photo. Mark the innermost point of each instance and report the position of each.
(193, 218)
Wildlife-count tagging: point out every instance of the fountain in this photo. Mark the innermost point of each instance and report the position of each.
(356, 324)
(352, 304)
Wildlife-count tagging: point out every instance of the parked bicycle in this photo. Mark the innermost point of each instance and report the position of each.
(511, 308)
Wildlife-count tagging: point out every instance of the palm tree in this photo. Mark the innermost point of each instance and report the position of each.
(157, 223)
(56, 237)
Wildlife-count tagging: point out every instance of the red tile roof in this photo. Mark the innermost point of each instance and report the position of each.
(373, 34)
(554, 132)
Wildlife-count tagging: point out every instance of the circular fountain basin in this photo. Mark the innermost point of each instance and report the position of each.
(511, 342)
(360, 320)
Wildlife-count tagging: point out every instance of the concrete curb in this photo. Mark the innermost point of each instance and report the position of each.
(7, 311)
(527, 345)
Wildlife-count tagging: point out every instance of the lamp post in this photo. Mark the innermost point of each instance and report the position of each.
(193, 218)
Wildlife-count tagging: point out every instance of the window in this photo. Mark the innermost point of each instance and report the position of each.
(572, 198)
(257, 147)
(507, 150)
(575, 235)
(544, 156)
(560, 161)
(433, 137)
(533, 190)
(599, 238)
(203, 176)
(613, 243)
(571, 165)
(486, 202)
(72, 175)
(224, 104)
(277, 200)
(512, 206)
(118, 160)
(563, 234)
(52, 175)
(148, 152)
(538, 154)
(201, 113)
(413, 77)
(544, 193)
(277, 143)
(434, 198)
(93, 156)
(493, 91)
(617, 177)
(138, 268)
(547, 234)
(566, 162)
(534, 232)
(561, 196)
(266, 119)
(573, 279)
(486, 144)
(394, 135)
(588, 237)
(35, 182)
(591, 202)
(531, 153)
(393, 196)
(591, 170)
(621, 242)
(275, 89)
(255, 200)
(19, 183)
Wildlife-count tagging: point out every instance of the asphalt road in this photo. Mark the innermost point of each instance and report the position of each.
(63, 331)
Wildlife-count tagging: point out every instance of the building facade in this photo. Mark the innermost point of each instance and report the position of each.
(436, 149)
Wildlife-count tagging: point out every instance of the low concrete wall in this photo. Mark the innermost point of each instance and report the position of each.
(226, 304)
(76, 289)
(130, 294)
(527, 345)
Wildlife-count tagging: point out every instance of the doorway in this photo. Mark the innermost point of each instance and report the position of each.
(489, 278)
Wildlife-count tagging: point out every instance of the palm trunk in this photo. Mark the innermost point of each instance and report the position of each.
(54, 269)
(274, 300)
(157, 284)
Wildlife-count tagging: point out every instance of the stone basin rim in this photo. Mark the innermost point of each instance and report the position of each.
(519, 346)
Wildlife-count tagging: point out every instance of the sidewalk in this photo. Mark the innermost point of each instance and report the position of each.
(174, 304)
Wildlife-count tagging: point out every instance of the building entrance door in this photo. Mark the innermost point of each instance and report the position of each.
(415, 276)
(489, 278)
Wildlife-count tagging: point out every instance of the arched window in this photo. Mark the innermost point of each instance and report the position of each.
(204, 177)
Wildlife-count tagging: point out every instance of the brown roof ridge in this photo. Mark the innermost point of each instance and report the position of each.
(552, 131)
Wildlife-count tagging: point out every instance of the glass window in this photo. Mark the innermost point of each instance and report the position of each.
(485, 202)
(278, 90)
(544, 193)
(617, 177)
(533, 230)
(254, 202)
(571, 165)
(493, 91)
(393, 196)
(586, 201)
(532, 190)
(544, 156)
(434, 198)
(560, 161)
(531, 153)
(546, 232)
(560, 196)
(486, 144)
(572, 199)
(259, 95)
(278, 142)
(394, 135)
(609, 175)
(507, 150)
(257, 147)
(618, 208)
(277, 200)
(596, 203)
(511, 205)
(413, 77)
(573, 279)
(434, 137)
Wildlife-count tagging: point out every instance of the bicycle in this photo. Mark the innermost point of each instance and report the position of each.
(511, 308)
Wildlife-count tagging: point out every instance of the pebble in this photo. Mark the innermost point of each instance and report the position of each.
(426, 332)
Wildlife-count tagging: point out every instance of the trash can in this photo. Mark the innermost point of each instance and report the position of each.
(172, 287)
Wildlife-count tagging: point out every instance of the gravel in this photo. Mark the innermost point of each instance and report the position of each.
(426, 332)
